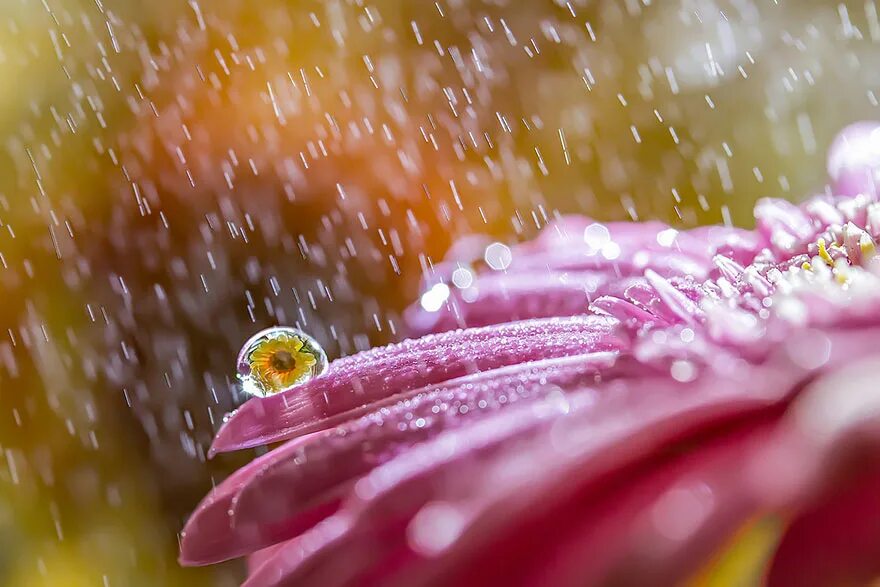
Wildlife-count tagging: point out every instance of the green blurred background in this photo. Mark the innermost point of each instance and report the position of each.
(175, 175)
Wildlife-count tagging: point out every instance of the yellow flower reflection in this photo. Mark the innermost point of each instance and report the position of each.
(281, 362)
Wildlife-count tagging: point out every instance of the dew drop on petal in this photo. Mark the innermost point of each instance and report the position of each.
(470, 294)
(596, 236)
(611, 251)
(683, 371)
(279, 358)
(435, 528)
(462, 278)
(433, 299)
(498, 256)
(665, 238)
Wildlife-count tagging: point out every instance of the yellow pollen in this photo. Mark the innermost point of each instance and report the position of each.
(869, 249)
(823, 252)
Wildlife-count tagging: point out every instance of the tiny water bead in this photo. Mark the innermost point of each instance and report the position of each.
(279, 358)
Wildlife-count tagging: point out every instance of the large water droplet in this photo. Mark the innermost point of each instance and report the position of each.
(279, 358)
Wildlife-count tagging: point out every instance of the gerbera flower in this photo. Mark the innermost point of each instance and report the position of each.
(708, 413)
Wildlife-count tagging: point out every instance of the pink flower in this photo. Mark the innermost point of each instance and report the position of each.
(671, 406)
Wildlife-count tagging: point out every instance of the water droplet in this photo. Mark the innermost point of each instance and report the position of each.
(498, 256)
(279, 358)
(433, 299)
(683, 371)
(666, 238)
(596, 236)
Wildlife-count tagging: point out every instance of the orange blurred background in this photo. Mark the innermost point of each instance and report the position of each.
(176, 175)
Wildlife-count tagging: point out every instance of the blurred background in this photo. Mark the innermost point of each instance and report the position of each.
(177, 174)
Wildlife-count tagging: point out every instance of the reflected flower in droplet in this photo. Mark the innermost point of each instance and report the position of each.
(277, 359)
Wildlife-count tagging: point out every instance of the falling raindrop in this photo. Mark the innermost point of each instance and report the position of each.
(279, 358)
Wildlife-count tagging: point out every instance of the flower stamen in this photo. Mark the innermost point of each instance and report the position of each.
(823, 253)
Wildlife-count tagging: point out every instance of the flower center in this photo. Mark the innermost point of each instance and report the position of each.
(282, 361)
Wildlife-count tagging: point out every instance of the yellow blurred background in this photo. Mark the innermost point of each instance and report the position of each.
(175, 175)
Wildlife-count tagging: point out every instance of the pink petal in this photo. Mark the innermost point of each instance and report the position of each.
(497, 298)
(785, 225)
(628, 313)
(738, 244)
(675, 301)
(835, 541)
(630, 261)
(303, 475)
(854, 159)
(354, 382)
(654, 525)
(208, 529)
(494, 462)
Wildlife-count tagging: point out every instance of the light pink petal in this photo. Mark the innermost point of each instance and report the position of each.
(496, 298)
(646, 296)
(738, 244)
(676, 302)
(568, 232)
(627, 261)
(824, 210)
(854, 159)
(628, 313)
(785, 225)
(730, 269)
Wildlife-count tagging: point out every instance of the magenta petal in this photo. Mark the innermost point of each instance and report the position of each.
(205, 539)
(357, 536)
(833, 542)
(356, 381)
(256, 560)
(286, 488)
(651, 525)
(824, 463)
(495, 460)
